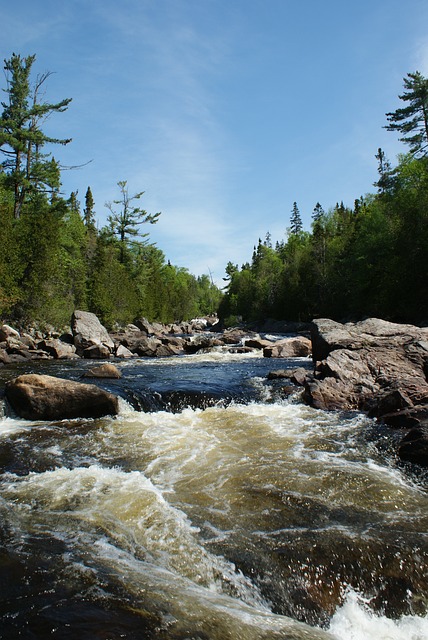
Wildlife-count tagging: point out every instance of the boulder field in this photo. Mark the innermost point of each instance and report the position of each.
(88, 338)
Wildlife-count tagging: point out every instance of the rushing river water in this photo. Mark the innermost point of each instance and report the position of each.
(253, 517)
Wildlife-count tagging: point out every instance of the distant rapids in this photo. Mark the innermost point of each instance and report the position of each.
(214, 507)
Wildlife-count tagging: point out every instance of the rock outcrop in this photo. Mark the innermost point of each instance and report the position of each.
(41, 397)
(375, 366)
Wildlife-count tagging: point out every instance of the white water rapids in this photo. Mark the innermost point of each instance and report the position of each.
(237, 522)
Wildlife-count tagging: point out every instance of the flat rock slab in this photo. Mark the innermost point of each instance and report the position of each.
(41, 397)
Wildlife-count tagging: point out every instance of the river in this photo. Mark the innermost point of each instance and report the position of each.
(211, 508)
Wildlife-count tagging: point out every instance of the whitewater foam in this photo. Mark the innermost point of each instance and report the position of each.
(355, 621)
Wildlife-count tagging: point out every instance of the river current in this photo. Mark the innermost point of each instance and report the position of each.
(213, 507)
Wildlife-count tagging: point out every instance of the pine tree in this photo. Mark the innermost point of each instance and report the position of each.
(21, 138)
(125, 222)
(88, 211)
(318, 212)
(295, 220)
(412, 121)
(386, 178)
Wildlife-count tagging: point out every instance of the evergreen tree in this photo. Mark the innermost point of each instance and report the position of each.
(21, 138)
(386, 179)
(88, 211)
(318, 212)
(125, 222)
(295, 220)
(412, 121)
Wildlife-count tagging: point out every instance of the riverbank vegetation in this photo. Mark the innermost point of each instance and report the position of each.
(53, 257)
(370, 259)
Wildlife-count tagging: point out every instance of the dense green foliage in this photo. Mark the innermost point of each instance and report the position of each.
(371, 260)
(53, 259)
(368, 260)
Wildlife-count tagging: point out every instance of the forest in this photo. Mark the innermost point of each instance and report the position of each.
(368, 260)
(54, 258)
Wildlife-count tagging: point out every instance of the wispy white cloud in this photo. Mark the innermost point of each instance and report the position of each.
(421, 56)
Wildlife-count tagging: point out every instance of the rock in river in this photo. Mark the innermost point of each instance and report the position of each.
(88, 333)
(42, 397)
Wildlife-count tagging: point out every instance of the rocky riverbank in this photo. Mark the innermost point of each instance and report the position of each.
(88, 338)
(373, 366)
(378, 367)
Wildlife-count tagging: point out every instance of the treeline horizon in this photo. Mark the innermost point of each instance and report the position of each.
(368, 260)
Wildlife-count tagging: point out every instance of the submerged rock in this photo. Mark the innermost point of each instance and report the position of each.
(42, 397)
(103, 371)
(414, 446)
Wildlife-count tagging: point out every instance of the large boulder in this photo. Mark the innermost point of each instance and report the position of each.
(145, 326)
(144, 346)
(58, 349)
(42, 397)
(7, 331)
(88, 332)
(296, 347)
(375, 366)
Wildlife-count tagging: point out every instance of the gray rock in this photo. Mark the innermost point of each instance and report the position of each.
(97, 351)
(124, 352)
(257, 343)
(145, 326)
(88, 332)
(289, 348)
(8, 332)
(41, 397)
(58, 349)
(4, 357)
(145, 347)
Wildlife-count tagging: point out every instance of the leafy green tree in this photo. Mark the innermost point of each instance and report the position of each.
(412, 121)
(125, 223)
(208, 295)
(39, 247)
(22, 141)
(72, 276)
(10, 256)
(113, 295)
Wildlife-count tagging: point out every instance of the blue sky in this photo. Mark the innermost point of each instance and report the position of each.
(224, 112)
